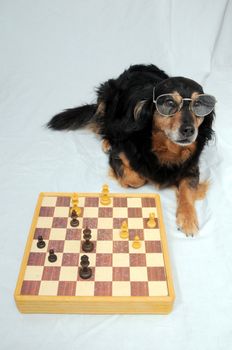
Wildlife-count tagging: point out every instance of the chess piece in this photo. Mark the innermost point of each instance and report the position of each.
(87, 245)
(151, 223)
(85, 271)
(124, 233)
(52, 256)
(75, 207)
(74, 222)
(136, 243)
(40, 244)
(104, 196)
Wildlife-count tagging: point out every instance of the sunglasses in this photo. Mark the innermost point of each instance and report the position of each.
(168, 104)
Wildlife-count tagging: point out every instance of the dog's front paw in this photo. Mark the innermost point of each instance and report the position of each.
(186, 219)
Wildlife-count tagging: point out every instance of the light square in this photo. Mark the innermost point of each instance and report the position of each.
(134, 202)
(90, 212)
(72, 246)
(103, 273)
(92, 259)
(139, 250)
(62, 212)
(147, 210)
(81, 202)
(121, 289)
(68, 273)
(58, 262)
(44, 222)
(116, 235)
(151, 234)
(135, 223)
(34, 247)
(158, 288)
(85, 288)
(104, 247)
(49, 202)
(48, 288)
(57, 234)
(105, 223)
(33, 273)
(138, 273)
(120, 212)
(121, 260)
(154, 259)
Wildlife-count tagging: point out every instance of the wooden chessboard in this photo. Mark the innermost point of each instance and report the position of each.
(124, 279)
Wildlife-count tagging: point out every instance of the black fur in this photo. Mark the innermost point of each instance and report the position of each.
(133, 136)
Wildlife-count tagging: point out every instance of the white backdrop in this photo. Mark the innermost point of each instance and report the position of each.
(53, 54)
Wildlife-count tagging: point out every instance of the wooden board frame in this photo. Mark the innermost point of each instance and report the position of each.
(96, 304)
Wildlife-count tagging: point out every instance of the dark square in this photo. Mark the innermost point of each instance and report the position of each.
(120, 202)
(30, 287)
(44, 232)
(134, 212)
(104, 259)
(73, 234)
(138, 259)
(153, 247)
(103, 288)
(59, 222)
(156, 273)
(120, 247)
(104, 234)
(121, 273)
(134, 232)
(63, 201)
(46, 211)
(51, 273)
(57, 245)
(117, 222)
(148, 202)
(105, 212)
(91, 202)
(145, 220)
(90, 222)
(67, 288)
(139, 288)
(36, 259)
(70, 259)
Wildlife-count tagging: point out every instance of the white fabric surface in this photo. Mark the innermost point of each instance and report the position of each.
(52, 56)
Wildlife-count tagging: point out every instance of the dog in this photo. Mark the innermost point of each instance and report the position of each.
(154, 128)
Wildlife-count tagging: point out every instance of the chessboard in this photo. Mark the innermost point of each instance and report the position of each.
(123, 279)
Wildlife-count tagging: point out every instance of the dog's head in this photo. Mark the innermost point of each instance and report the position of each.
(180, 110)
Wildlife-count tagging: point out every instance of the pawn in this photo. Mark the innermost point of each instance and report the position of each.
(52, 256)
(87, 246)
(124, 230)
(40, 244)
(104, 197)
(85, 271)
(136, 243)
(151, 223)
(74, 222)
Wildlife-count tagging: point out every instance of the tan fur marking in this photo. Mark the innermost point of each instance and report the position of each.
(106, 145)
(101, 108)
(138, 109)
(186, 216)
(129, 178)
(169, 152)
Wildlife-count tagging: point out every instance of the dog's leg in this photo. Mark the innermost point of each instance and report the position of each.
(188, 191)
(126, 176)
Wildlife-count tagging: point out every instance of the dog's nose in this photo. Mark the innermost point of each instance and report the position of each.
(187, 130)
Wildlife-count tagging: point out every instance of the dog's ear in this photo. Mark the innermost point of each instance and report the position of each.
(143, 110)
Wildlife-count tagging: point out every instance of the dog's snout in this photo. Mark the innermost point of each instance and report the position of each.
(187, 130)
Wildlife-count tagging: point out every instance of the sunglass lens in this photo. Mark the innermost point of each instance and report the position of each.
(166, 105)
(203, 105)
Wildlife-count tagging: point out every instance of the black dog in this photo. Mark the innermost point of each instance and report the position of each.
(154, 129)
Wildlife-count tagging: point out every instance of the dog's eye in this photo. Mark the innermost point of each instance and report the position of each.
(170, 103)
(197, 103)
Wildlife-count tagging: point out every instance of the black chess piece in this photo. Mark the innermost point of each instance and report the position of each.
(74, 222)
(85, 271)
(52, 256)
(40, 244)
(87, 245)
